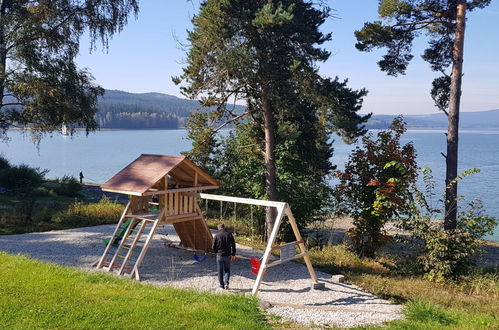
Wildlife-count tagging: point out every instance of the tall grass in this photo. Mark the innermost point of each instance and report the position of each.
(89, 214)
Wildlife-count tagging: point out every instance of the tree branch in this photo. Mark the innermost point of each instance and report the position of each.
(426, 23)
(232, 120)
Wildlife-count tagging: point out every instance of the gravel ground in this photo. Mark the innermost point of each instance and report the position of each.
(286, 287)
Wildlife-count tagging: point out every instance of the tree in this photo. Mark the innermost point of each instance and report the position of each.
(40, 85)
(264, 53)
(444, 24)
(374, 187)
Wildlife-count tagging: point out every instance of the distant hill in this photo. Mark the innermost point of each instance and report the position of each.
(118, 109)
(468, 120)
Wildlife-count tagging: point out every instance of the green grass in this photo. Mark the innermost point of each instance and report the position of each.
(471, 303)
(38, 295)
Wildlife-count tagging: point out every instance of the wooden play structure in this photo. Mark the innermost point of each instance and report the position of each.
(172, 185)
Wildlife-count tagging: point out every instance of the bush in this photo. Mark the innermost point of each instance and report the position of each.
(22, 181)
(446, 254)
(374, 187)
(81, 214)
(4, 163)
(68, 186)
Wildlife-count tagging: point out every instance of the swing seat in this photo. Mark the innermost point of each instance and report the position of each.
(198, 259)
(255, 266)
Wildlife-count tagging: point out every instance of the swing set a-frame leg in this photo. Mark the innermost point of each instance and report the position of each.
(280, 213)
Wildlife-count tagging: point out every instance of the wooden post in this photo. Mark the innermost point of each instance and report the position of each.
(296, 231)
(266, 255)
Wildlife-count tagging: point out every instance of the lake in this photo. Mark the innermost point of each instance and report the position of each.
(100, 155)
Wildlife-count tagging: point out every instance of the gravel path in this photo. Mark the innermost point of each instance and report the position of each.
(285, 287)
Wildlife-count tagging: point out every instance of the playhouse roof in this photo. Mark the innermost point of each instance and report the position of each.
(141, 174)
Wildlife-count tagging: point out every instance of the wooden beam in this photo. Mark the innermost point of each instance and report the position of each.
(185, 215)
(171, 221)
(277, 247)
(270, 243)
(296, 231)
(193, 189)
(133, 193)
(278, 262)
(242, 200)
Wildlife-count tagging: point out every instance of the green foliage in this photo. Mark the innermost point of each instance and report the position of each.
(83, 214)
(266, 53)
(40, 85)
(65, 186)
(403, 21)
(38, 295)
(374, 187)
(22, 181)
(446, 254)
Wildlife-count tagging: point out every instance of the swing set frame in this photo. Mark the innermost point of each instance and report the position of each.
(283, 210)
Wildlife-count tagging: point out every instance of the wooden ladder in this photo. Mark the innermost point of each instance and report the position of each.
(126, 257)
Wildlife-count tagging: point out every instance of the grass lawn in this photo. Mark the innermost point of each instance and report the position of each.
(38, 295)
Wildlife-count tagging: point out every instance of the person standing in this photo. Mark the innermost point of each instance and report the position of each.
(81, 177)
(224, 246)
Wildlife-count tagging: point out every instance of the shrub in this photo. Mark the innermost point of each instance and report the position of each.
(446, 254)
(81, 214)
(4, 163)
(68, 186)
(22, 181)
(374, 187)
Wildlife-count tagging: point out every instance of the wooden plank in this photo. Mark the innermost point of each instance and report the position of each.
(278, 262)
(277, 247)
(177, 203)
(124, 192)
(170, 203)
(296, 231)
(142, 215)
(194, 189)
(186, 203)
(242, 200)
(179, 216)
(209, 243)
(184, 219)
(270, 243)
(120, 223)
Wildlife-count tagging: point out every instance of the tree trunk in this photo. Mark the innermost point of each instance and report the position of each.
(270, 169)
(450, 221)
(3, 52)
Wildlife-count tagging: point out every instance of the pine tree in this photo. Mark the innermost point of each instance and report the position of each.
(444, 23)
(265, 53)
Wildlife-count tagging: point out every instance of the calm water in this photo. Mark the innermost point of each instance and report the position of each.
(102, 154)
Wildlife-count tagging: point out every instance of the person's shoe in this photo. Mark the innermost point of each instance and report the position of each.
(226, 287)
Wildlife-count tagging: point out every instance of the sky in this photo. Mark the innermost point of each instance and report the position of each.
(148, 52)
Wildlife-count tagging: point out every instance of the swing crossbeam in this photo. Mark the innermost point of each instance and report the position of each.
(283, 209)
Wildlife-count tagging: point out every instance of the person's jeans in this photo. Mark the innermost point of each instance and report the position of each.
(223, 266)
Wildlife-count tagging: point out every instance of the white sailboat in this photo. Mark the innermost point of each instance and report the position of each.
(64, 129)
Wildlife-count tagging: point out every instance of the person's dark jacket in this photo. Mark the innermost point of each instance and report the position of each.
(224, 244)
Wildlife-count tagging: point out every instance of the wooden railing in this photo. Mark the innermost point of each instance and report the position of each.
(178, 203)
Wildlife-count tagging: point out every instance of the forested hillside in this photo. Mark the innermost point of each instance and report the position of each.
(118, 109)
